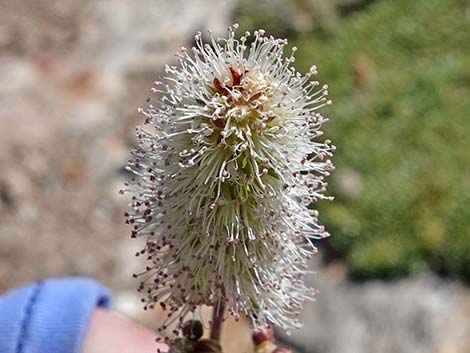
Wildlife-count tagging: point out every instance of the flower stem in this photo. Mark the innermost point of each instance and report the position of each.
(217, 319)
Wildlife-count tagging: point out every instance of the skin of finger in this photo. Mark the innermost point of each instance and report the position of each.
(109, 332)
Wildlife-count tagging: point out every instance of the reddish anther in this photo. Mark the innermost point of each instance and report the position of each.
(262, 335)
(218, 86)
(219, 122)
(236, 77)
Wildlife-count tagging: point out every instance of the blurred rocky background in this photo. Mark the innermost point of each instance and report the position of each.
(395, 274)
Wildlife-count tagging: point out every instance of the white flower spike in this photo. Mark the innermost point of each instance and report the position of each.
(225, 174)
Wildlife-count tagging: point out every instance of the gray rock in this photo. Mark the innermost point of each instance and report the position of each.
(417, 314)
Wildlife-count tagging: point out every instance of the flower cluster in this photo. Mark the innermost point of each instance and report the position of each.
(227, 168)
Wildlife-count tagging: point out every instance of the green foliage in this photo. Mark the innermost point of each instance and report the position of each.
(399, 74)
(274, 15)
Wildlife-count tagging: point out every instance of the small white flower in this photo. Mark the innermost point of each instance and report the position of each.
(226, 171)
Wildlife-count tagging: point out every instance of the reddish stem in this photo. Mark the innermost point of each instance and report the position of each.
(217, 319)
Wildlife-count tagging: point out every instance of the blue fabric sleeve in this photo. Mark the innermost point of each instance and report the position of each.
(50, 316)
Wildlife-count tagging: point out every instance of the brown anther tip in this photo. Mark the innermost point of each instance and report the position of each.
(193, 330)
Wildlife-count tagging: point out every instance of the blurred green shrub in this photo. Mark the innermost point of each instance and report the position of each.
(399, 73)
